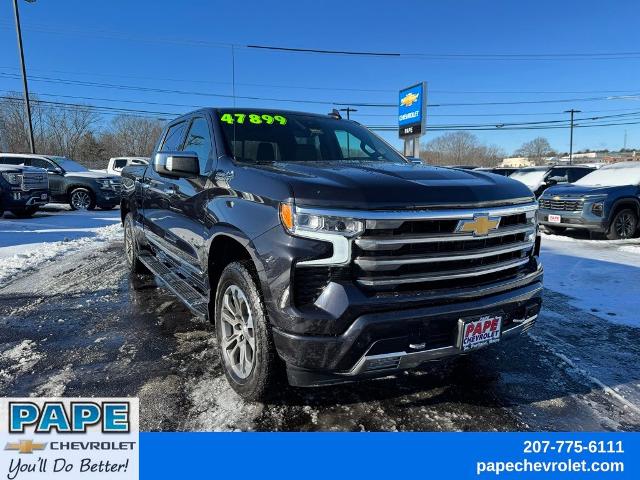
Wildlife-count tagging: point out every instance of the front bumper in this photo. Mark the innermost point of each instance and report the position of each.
(384, 343)
(569, 219)
(107, 197)
(16, 199)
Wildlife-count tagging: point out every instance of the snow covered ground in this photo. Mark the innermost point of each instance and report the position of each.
(602, 277)
(25, 243)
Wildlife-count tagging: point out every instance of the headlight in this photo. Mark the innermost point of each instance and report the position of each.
(298, 222)
(597, 209)
(13, 178)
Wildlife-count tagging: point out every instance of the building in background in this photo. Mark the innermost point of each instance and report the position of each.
(517, 162)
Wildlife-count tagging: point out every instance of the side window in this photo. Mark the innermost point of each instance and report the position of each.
(11, 161)
(559, 172)
(199, 141)
(120, 163)
(173, 140)
(39, 162)
(578, 173)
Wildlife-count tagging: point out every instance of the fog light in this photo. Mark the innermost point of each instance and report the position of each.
(597, 209)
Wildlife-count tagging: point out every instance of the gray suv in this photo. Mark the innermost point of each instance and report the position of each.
(72, 183)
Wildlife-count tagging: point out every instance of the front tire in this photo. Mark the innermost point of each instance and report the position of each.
(555, 230)
(24, 212)
(131, 246)
(245, 343)
(82, 199)
(623, 225)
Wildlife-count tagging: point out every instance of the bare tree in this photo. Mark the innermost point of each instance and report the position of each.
(14, 133)
(460, 148)
(536, 150)
(66, 127)
(132, 136)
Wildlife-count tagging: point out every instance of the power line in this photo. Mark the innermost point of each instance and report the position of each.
(127, 36)
(290, 100)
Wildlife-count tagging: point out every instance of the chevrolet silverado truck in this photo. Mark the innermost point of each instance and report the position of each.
(310, 243)
(22, 189)
(72, 183)
(604, 202)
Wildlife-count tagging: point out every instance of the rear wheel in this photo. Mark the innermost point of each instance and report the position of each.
(82, 199)
(623, 225)
(131, 246)
(245, 344)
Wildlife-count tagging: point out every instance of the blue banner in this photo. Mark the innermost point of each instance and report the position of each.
(391, 455)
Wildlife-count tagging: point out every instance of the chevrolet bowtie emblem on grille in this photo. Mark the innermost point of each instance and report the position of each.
(25, 446)
(481, 225)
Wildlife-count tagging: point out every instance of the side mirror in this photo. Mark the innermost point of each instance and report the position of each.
(177, 164)
(55, 170)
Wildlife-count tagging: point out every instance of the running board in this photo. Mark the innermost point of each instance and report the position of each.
(191, 297)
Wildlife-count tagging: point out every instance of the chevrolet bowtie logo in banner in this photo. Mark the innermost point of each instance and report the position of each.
(69, 438)
(412, 110)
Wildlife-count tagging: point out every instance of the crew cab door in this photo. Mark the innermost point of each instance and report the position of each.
(174, 208)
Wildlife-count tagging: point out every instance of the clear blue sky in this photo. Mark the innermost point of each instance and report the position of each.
(183, 46)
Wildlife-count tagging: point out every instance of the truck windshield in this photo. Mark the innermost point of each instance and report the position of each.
(260, 137)
(69, 165)
(531, 178)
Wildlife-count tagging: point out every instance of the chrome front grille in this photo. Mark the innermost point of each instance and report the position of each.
(35, 181)
(424, 250)
(566, 204)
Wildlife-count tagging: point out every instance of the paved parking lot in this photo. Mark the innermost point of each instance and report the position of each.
(76, 324)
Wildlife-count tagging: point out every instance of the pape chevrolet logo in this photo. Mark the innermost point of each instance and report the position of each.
(480, 226)
(25, 446)
(409, 99)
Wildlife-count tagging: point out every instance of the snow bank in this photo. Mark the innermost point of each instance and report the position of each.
(602, 277)
(27, 243)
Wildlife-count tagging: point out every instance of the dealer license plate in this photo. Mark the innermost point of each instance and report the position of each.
(478, 333)
(555, 219)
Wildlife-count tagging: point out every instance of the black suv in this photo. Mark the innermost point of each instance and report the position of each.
(22, 189)
(538, 179)
(311, 242)
(72, 183)
(606, 201)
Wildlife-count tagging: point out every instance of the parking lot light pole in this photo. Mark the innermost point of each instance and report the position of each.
(27, 106)
(572, 111)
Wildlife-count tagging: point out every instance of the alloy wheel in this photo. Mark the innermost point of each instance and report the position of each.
(129, 247)
(80, 200)
(238, 336)
(624, 225)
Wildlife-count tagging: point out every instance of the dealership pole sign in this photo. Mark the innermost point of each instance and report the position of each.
(412, 110)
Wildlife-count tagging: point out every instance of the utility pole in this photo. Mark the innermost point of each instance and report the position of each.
(625, 139)
(572, 111)
(27, 107)
(348, 110)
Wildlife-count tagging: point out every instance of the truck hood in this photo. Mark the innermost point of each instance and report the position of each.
(379, 185)
(571, 190)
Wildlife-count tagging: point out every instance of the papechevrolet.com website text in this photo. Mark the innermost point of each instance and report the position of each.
(238, 232)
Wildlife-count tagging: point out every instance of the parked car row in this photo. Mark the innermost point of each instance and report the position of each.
(604, 201)
(30, 181)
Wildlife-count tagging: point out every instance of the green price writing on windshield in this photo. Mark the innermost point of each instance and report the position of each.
(254, 118)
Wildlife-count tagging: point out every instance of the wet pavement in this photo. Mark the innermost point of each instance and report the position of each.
(81, 326)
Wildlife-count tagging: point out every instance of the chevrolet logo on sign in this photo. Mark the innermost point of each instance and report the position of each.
(25, 446)
(409, 99)
(480, 226)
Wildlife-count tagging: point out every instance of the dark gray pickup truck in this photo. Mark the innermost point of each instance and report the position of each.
(22, 189)
(312, 244)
